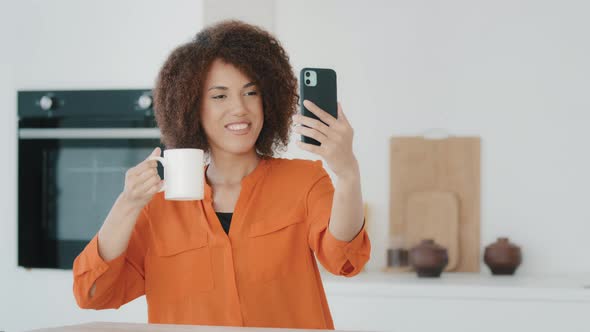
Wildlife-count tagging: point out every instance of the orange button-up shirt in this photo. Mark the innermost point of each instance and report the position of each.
(263, 273)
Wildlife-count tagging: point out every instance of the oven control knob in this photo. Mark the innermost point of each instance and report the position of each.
(48, 103)
(144, 102)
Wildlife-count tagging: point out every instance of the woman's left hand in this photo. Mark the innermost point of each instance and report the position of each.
(335, 138)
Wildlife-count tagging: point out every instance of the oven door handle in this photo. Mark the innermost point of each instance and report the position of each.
(88, 133)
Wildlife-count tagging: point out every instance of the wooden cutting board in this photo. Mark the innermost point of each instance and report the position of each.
(451, 164)
(434, 215)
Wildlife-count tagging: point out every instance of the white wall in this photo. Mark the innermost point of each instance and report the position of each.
(68, 44)
(514, 72)
(258, 12)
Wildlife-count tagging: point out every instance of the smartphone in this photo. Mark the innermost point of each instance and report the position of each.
(318, 85)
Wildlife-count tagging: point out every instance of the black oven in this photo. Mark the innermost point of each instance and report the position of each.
(74, 148)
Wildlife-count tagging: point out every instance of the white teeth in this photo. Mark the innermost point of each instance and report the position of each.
(238, 126)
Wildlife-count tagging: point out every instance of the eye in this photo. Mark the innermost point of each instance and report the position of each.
(219, 97)
(252, 93)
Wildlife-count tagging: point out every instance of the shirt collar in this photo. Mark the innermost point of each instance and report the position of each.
(248, 181)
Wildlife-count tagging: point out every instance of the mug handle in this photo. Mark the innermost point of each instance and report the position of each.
(163, 161)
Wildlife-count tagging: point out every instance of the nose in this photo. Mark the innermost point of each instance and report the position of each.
(239, 107)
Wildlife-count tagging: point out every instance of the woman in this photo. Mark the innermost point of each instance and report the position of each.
(231, 92)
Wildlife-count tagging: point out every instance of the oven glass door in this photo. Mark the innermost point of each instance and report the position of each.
(67, 186)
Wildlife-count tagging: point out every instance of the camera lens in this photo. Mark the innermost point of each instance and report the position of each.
(307, 81)
(307, 74)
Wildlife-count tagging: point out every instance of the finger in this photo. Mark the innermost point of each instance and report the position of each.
(143, 166)
(320, 113)
(309, 147)
(341, 114)
(312, 123)
(148, 184)
(137, 180)
(155, 153)
(311, 133)
(146, 174)
(155, 188)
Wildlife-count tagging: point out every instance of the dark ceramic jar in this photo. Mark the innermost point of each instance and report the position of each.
(428, 258)
(502, 257)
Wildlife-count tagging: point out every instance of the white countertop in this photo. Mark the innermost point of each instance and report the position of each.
(459, 285)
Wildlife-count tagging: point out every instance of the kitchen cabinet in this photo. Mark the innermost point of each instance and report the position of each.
(380, 301)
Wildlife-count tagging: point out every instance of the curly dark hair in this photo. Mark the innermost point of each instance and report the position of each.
(254, 51)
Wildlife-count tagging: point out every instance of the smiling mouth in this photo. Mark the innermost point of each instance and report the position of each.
(239, 129)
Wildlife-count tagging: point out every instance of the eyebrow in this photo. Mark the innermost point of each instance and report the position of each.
(225, 88)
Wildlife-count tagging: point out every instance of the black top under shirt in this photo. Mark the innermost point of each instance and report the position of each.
(225, 219)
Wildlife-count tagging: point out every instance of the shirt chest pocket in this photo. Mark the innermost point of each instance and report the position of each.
(179, 267)
(276, 249)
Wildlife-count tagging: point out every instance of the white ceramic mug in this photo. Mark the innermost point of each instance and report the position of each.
(183, 174)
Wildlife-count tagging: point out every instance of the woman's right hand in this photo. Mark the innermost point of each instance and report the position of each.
(142, 182)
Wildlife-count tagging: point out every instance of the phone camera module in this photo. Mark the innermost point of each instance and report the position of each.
(310, 77)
